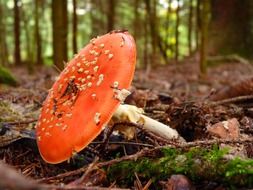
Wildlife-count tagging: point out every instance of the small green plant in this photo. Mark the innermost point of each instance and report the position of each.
(196, 163)
(6, 77)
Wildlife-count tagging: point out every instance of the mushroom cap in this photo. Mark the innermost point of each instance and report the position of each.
(83, 98)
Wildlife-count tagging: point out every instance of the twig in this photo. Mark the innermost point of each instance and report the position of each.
(233, 100)
(106, 140)
(89, 169)
(147, 185)
(19, 122)
(123, 143)
(137, 182)
(218, 141)
(63, 175)
(135, 156)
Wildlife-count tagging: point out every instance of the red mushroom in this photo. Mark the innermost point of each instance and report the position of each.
(86, 95)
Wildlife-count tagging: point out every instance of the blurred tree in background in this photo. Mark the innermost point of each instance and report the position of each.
(51, 31)
(232, 27)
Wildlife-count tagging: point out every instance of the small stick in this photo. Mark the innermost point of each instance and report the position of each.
(124, 143)
(233, 100)
(89, 169)
(19, 122)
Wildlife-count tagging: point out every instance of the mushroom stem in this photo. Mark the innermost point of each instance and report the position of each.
(133, 114)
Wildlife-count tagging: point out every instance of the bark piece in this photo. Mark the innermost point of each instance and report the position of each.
(226, 129)
(241, 88)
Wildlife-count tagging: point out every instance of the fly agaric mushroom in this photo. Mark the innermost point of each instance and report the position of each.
(86, 95)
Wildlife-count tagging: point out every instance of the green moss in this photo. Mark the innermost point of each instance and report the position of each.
(6, 77)
(7, 113)
(197, 163)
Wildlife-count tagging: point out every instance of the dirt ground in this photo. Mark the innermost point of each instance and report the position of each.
(174, 94)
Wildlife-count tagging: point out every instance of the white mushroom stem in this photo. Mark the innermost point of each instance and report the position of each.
(133, 114)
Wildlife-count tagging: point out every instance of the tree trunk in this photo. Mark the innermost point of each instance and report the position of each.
(177, 31)
(29, 59)
(4, 53)
(146, 36)
(152, 24)
(154, 29)
(136, 19)
(111, 15)
(39, 59)
(231, 28)
(74, 29)
(98, 18)
(29, 54)
(204, 34)
(59, 10)
(190, 28)
(17, 56)
(151, 16)
(156, 39)
(167, 34)
(197, 24)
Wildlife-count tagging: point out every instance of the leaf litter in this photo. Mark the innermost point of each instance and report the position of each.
(173, 94)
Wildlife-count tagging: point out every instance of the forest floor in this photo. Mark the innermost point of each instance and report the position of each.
(174, 94)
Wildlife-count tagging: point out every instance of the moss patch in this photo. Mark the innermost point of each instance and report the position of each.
(198, 164)
(6, 77)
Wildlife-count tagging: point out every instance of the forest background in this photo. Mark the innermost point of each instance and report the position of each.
(36, 32)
